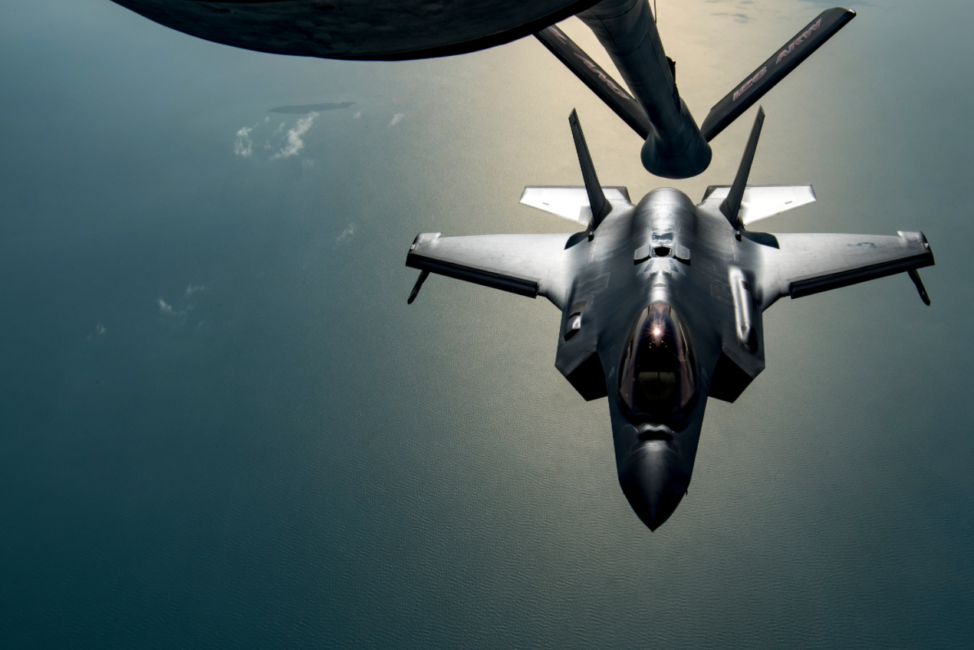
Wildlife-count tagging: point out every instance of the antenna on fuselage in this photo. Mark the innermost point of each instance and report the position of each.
(596, 197)
(731, 207)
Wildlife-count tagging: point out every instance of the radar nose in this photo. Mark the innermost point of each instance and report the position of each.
(654, 482)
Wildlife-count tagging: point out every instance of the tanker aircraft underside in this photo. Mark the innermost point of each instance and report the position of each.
(661, 302)
(674, 147)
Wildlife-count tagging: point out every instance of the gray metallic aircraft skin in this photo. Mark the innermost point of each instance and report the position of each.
(714, 278)
(654, 461)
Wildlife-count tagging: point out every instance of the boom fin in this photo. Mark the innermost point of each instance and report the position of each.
(597, 80)
(782, 62)
(596, 197)
(731, 206)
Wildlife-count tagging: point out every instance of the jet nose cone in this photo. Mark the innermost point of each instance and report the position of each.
(654, 482)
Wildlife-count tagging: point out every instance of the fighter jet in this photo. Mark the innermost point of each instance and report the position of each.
(389, 30)
(662, 301)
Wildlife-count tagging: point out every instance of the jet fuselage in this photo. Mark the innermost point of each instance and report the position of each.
(660, 252)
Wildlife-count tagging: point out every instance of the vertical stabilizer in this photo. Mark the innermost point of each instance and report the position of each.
(596, 197)
(731, 207)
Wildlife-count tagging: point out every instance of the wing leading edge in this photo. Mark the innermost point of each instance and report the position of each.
(528, 265)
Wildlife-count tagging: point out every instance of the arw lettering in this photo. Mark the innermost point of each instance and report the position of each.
(608, 82)
(750, 82)
(798, 41)
(557, 32)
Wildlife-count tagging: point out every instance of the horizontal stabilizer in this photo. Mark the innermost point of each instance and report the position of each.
(604, 86)
(571, 202)
(763, 201)
(782, 62)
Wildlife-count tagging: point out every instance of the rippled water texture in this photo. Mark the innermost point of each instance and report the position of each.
(221, 426)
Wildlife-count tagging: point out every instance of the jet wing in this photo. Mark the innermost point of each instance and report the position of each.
(528, 265)
(810, 263)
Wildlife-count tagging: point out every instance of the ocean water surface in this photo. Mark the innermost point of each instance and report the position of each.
(221, 426)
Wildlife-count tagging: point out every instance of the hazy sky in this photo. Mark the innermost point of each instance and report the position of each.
(221, 425)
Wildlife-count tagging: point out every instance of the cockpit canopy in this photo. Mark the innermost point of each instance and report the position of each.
(657, 377)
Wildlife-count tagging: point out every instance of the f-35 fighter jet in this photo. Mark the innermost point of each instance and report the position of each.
(661, 301)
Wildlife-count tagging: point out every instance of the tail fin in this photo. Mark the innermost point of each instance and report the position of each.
(596, 197)
(731, 207)
(782, 62)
